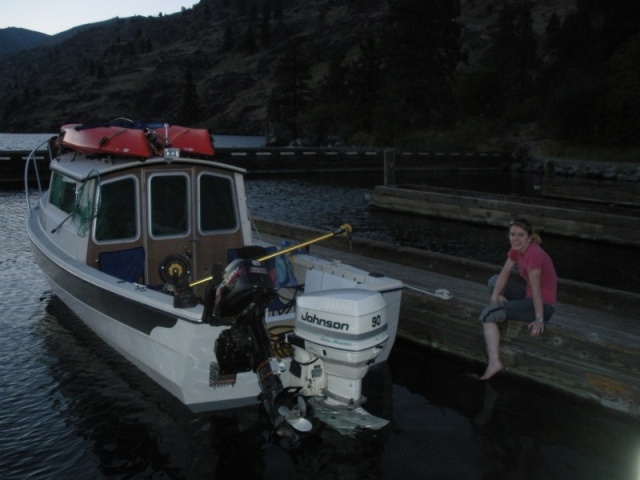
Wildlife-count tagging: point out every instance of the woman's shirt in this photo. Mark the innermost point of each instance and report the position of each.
(535, 258)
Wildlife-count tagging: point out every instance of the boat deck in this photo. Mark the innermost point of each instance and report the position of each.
(589, 349)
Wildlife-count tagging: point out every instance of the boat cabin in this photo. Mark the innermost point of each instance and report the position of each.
(148, 221)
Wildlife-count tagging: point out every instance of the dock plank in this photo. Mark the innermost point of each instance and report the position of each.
(624, 193)
(605, 223)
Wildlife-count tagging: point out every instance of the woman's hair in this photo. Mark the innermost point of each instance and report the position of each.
(524, 224)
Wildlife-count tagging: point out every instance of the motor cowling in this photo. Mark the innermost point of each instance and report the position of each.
(244, 282)
(345, 329)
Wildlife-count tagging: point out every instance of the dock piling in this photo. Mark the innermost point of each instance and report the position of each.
(389, 166)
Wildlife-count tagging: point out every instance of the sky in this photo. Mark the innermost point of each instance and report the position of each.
(55, 16)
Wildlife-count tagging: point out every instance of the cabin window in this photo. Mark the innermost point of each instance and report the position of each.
(62, 193)
(169, 205)
(217, 205)
(117, 218)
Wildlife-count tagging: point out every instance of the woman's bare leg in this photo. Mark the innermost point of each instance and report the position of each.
(492, 338)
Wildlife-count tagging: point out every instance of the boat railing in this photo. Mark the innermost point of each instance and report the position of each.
(31, 160)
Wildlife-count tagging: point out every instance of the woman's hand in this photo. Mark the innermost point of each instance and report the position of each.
(537, 328)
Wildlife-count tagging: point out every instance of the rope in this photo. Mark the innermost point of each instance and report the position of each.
(438, 292)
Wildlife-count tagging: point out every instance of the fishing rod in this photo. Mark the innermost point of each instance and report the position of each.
(346, 229)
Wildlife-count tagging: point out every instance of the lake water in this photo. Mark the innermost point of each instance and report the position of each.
(70, 407)
(327, 201)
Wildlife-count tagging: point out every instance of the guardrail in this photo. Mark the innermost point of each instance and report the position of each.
(273, 160)
(301, 159)
(12, 165)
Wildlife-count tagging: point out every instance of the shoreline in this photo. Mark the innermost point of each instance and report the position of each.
(534, 161)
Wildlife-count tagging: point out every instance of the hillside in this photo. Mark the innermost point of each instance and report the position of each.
(135, 67)
(478, 18)
(224, 54)
(14, 40)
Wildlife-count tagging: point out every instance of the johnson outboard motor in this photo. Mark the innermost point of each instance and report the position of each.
(338, 335)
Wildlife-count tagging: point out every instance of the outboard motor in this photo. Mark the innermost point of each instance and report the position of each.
(244, 282)
(338, 335)
(241, 300)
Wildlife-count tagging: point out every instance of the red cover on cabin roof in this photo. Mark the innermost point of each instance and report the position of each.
(135, 139)
(192, 140)
(111, 140)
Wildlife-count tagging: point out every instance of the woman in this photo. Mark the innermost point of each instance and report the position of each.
(532, 301)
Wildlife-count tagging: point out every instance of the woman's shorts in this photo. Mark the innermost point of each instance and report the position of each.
(517, 307)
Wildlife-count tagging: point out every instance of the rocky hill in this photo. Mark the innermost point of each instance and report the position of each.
(227, 51)
(13, 40)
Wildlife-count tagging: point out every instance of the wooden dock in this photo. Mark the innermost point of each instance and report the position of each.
(587, 190)
(590, 221)
(297, 160)
(271, 160)
(12, 167)
(589, 349)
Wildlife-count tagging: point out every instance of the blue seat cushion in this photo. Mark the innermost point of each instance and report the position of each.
(127, 265)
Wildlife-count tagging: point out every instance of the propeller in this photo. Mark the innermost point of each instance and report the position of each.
(295, 416)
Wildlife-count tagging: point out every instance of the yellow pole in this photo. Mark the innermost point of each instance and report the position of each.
(346, 228)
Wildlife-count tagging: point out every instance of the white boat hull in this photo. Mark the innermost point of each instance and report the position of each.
(175, 348)
(177, 356)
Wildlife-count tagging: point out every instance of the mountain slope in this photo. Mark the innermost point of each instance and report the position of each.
(137, 67)
(13, 40)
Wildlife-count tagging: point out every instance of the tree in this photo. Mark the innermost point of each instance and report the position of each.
(621, 120)
(588, 96)
(364, 82)
(227, 39)
(190, 109)
(512, 57)
(265, 32)
(422, 51)
(278, 9)
(290, 95)
(552, 30)
(330, 113)
(266, 10)
(249, 44)
(12, 106)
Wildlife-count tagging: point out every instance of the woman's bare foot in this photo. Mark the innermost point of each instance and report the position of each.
(491, 370)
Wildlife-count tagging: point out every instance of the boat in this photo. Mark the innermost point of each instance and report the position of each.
(156, 254)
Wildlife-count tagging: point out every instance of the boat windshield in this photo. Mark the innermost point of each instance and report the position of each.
(169, 205)
(217, 205)
(62, 193)
(117, 218)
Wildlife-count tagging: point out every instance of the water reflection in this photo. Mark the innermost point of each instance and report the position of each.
(524, 430)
